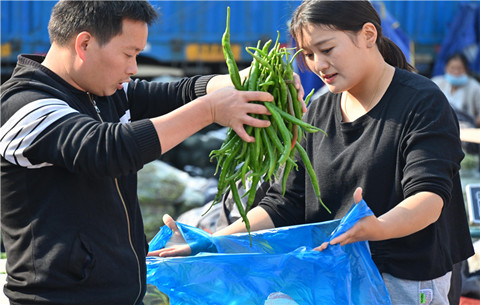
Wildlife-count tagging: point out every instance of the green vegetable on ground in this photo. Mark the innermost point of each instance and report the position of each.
(274, 147)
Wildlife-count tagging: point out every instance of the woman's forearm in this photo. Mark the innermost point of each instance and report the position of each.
(258, 218)
(412, 215)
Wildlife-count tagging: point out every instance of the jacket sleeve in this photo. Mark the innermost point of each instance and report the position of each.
(151, 99)
(40, 130)
(48, 132)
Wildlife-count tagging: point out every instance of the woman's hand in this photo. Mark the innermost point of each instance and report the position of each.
(176, 246)
(300, 91)
(367, 228)
(409, 216)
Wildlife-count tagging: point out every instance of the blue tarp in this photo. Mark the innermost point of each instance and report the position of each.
(463, 36)
(392, 30)
(280, 260)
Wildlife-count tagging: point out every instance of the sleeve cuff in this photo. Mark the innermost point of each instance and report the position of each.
(147, 139)
(201, 85)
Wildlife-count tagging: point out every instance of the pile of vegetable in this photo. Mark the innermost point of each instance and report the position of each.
(275, 146)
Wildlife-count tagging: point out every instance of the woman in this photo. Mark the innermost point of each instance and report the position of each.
(463, 93)
(461, 89)
(391, 133)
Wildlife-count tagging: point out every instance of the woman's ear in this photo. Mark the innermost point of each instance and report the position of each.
(369, 32)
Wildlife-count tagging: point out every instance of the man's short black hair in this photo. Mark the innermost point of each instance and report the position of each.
(103, 19)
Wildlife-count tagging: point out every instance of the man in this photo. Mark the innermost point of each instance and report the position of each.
(75, 131)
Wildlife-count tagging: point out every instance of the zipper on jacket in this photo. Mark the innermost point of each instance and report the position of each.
(94, 103)
(129, 230)
(130, 239)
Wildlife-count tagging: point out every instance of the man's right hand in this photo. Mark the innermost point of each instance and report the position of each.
(232, 108)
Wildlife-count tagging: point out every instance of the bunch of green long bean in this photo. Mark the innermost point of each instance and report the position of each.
(274, 146)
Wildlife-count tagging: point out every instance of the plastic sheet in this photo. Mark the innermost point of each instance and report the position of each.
(281, 261)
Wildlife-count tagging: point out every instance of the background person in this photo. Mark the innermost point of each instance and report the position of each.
(463, 92)
(461, 89)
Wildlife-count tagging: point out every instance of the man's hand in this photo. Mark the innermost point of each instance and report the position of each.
(232, 108)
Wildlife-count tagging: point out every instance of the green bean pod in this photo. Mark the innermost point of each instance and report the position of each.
(272, 162)
(252, 191)
(287, 139)
(275, 146)
(230, 59)
(226, 171)
(307, 127)
(311, 173)
(274, 137)
(309, 96)
(241, 210)
(259, 59)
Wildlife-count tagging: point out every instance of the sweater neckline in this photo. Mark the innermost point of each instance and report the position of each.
(364, 119)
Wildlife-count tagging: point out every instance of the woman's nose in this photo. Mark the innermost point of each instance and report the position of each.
(320, 65)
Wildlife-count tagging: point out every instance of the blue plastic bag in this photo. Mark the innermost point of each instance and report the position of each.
(281, 260)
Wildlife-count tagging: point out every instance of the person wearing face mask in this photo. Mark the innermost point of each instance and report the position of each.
(461, 89)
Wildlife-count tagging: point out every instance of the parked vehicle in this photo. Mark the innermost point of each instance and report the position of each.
(186, 38)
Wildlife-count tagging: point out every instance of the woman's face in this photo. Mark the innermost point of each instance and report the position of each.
(455, 67)
(337, 57)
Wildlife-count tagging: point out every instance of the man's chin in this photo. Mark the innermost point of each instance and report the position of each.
(109, 92)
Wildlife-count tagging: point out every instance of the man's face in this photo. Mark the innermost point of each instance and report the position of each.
(107, 67)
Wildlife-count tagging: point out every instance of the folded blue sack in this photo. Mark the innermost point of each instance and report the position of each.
(280, 267)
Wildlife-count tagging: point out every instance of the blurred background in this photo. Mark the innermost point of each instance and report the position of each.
(186, 40)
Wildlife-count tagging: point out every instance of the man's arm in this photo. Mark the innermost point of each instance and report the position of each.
(226, 106)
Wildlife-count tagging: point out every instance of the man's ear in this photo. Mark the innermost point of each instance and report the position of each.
(82, 44)
(370, 34)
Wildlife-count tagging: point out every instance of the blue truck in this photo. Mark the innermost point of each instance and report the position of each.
(186, 38)
(187, 35)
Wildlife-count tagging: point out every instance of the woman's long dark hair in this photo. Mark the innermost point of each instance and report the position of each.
(346, 16)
